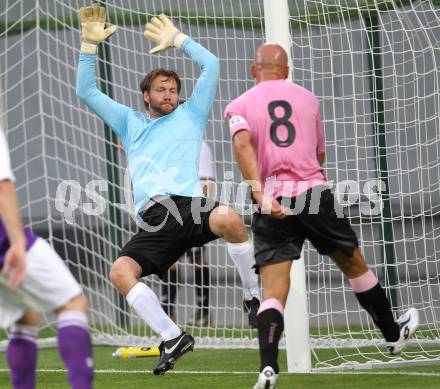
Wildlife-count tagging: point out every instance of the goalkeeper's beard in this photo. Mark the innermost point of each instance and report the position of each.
(163, 108)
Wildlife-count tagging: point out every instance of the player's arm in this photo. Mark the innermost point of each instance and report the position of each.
(15, 262)
(94, 31)
(320, 151)
(10, 213)
(162, 31)
(247, 161)
(14, 265)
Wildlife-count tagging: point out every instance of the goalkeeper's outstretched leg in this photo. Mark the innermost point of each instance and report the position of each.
(125, 274)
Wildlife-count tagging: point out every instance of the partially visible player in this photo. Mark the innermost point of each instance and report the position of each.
(163, 149)
(34, 280)
(279, 145)
(197, 256)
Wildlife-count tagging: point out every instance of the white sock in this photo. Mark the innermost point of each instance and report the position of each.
(146, 304)
(242, 255)
(72, 318)
(23, 331)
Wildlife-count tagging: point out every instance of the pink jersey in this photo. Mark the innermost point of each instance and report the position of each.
(287, 134)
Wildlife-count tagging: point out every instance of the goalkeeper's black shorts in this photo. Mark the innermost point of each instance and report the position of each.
(166, 235)
(323, 223)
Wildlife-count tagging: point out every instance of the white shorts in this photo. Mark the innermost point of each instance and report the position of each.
(49, 285)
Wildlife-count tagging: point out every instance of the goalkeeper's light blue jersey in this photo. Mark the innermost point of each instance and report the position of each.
(163, 153)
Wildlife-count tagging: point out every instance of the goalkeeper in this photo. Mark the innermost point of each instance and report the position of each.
(163, 149)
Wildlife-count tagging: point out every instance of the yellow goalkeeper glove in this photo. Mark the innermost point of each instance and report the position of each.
(93, 28)
(162, 31)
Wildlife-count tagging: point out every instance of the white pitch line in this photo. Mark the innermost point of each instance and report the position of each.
(408, 373)
(113, 371)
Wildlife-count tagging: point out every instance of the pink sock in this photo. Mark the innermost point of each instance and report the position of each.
(363, 283)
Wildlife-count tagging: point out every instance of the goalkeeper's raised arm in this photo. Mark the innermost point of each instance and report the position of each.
(93, 32)
(162, 31)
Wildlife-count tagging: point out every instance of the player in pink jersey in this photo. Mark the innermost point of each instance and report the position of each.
(278, 138)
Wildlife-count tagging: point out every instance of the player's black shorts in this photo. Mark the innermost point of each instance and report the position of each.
(156, 249)
(323, 223)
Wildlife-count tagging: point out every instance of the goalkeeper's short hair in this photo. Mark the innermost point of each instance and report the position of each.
(145, 84)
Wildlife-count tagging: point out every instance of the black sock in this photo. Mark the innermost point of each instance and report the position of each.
(270, 327)
(202, 287)
(169, 291)
(376, 303)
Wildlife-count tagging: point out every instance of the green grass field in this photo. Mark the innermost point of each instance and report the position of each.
(211, 369)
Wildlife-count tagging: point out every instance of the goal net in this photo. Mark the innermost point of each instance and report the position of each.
(375, 69)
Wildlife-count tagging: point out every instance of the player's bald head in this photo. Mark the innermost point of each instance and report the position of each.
(270, 63)
(271, 53)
